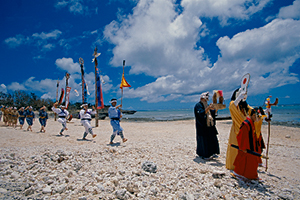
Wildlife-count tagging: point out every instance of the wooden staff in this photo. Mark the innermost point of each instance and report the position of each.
(269, 127)
(269, 133)
(122, 87)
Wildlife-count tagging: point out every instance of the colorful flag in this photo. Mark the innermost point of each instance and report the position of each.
(77, 94)
(68, 90)
(99, 92)
(61, 96)
(86, 90)
(124, 83)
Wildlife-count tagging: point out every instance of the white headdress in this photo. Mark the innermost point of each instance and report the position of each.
(204, 95)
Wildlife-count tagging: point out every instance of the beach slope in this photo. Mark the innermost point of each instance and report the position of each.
(157, 162)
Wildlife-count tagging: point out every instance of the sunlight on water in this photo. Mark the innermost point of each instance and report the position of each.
(281, 114)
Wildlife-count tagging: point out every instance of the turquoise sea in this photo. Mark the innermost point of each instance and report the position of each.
(282, 115)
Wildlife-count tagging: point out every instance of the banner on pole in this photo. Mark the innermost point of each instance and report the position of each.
(77, 94)
(124, 83)
(61, 96)
(86, 90)
(68, 90)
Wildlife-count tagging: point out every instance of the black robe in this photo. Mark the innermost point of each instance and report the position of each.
(207, 141)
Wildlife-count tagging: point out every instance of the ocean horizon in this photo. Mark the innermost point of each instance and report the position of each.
(282, 115)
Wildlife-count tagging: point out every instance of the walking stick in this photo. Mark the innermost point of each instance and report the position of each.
(268, 105)
(269, 131)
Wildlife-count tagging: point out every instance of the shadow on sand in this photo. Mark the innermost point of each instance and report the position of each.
(59, 135)
(213, 162)
(85, 140)
(114, 144)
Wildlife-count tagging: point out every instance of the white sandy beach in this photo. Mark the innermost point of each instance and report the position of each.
(31, 169)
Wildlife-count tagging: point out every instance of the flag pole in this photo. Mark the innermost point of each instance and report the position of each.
(57, 85)
(122, 87)
(121, 96)
(81, 62)
(96, 98)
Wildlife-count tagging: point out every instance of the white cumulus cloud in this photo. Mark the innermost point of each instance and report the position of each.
(160, 41)
(68, 65)
(291, 11)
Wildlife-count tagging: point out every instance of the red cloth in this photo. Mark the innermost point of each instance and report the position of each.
(246, 164)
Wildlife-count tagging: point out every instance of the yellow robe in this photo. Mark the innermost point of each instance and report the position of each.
(237, 117)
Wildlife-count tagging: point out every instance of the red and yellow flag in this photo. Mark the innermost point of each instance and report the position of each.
(124, 83)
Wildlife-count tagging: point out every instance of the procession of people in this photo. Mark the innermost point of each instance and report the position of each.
(11, 115)
(245, 143)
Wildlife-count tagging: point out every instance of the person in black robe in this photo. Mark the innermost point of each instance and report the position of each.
(206, 131)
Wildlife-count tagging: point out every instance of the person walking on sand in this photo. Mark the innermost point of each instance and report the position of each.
(245, 163)
(29, 117)
(1, 112)
(43, 117)
(22, 115)
(14, 116)
(86, 117)
(206, 131)
(5, 114)
(9, 119)
(115, 116)
(62, 115)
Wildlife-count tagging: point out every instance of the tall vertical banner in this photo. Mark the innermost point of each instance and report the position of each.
(81, 62)
(99, 92)
(68, 96)
(61, 96)
(97, 99)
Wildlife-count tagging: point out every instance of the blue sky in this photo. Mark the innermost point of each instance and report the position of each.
(174, 50)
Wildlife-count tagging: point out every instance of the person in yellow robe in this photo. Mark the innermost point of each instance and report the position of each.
(239, 110)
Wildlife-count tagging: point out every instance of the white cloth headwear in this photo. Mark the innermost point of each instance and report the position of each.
(113, 101)
(85, 104)
(238, 93)
(204, 95)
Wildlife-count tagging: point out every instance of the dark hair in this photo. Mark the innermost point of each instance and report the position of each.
(254, 111)
(243, 105)
(233, 97)
(113, 99)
